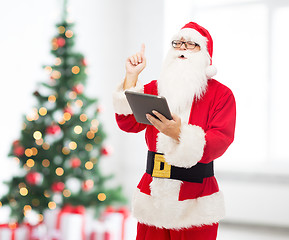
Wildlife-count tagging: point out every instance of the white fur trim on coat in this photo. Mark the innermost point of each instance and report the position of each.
(188, 152)
(120, 103)
(173, 214)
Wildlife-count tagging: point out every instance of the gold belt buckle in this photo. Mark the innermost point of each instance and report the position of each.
(157, 171)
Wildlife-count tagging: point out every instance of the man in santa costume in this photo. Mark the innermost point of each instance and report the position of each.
(178, 196)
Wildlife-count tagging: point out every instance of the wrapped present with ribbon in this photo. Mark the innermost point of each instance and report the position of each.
(14, 231)
(24, 231)
(100, 231)
(36, 231)
(118, 221)
(66, 223)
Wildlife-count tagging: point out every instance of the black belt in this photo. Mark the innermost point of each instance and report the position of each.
(157, 167)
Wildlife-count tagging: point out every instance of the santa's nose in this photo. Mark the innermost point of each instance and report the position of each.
(183, 46)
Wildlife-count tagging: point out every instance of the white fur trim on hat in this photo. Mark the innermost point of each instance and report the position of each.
(192, 35)
(120, 103)
(188, 151)
(211, 71)
(173, 214)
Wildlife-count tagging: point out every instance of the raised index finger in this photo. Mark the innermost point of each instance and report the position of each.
(142, 49)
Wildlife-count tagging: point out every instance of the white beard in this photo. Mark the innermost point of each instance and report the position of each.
(182, 80)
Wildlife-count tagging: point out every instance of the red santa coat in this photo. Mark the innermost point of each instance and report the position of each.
(207, 131)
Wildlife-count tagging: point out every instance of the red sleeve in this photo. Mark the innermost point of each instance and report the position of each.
(128, 123)
(221, 128)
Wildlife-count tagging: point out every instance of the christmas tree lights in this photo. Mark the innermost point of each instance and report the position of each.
(61, 141)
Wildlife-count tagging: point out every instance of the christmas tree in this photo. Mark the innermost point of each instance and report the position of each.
(61, 142)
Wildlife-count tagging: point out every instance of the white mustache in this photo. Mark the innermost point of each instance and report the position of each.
(186, 54)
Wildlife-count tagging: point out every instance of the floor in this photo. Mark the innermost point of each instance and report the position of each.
(233, 232)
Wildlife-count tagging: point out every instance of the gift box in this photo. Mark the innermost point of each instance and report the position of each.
(100, 231)
(130, 228)
(24, 231)
(66, 223)
(13, 232)
(36, 231)
(120, 224)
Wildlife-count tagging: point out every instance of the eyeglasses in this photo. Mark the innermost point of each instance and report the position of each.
(189, 44)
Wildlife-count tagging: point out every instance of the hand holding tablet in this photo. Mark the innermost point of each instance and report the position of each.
(141, 104)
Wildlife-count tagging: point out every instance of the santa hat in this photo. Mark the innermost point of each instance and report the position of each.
(194, 32)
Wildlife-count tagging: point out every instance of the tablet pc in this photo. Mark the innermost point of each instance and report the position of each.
(142, 103)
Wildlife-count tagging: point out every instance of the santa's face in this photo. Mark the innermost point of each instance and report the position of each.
(184, 45)
(183, 75)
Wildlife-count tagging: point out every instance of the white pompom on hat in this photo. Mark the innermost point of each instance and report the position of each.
(194, 30)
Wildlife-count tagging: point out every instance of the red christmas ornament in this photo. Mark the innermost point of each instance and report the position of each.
(83, 62)
(33, 178)
(78, 88)
(60, 42)
(53, 129)
(87, 185)
(18, 150)
(106, 151)
(57, 186)
(100, 109)
(68, 110)
(16, 143)
(75, 162)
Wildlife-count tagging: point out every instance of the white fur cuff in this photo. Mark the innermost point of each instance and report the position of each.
(120, 103)
(188, 152)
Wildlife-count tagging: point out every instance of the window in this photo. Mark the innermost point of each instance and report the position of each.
(250, 52)
(279, 114)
